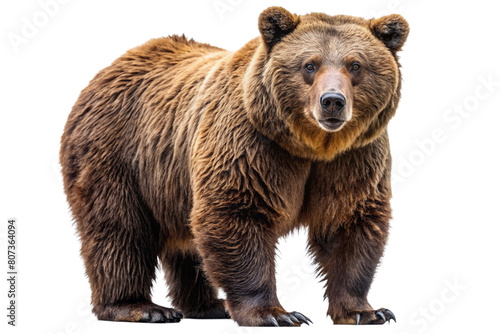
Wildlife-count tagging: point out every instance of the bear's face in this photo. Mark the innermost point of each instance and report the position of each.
(338, 72)
(331, 77)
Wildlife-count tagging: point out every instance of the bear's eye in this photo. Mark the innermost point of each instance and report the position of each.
(355, 66)
(310, 67)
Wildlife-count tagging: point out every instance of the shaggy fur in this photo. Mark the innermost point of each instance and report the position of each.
(203, 158)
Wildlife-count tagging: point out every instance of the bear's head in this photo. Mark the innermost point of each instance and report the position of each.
(319, 84)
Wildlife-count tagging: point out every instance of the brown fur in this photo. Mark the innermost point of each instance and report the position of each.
(203, 158)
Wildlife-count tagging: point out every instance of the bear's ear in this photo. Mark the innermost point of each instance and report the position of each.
(392, 30)
(275, 23)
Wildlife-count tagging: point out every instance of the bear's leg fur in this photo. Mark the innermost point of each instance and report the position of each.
(189, 289)
(120, 248)
(240, 259)
(348, 258)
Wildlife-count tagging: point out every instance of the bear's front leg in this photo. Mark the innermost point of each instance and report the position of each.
(348, 257)
(237, 244)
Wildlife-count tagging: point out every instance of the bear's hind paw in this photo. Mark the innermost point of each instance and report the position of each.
(139, 312)
(214, 311)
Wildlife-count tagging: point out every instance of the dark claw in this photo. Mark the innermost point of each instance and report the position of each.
(358, 318)
(286, 319)
(302, 318)
(390, 315)
(381, 314)
(273, 321)
(294, 318)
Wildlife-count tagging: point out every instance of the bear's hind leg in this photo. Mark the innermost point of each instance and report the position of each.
(120, 248)
(189, 288)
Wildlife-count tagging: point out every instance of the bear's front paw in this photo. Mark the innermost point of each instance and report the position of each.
(271, 316)
(368, 317)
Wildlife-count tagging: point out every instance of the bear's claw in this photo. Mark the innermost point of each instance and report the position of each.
(286, 319)
(390, 316)
(302, 318)
(381, 316)
(273, 321)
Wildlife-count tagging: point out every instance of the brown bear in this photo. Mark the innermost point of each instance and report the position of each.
(203, 158)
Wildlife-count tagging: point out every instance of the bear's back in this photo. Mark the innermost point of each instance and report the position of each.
(137, 115)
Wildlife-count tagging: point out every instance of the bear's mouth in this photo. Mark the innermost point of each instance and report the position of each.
(331, 124)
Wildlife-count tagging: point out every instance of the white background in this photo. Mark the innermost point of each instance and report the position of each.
(440, 270)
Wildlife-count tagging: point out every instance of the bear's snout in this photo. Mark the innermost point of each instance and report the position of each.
(333, 111)
(332, 103)
(332, 98)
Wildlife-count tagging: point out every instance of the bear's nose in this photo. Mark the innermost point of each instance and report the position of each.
(332, 103)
